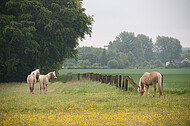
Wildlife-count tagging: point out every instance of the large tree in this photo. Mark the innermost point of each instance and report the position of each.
(168, 48)
(39, 34)
(90, 53)
(124, 42)
(141, 46)
(103, 61)
(146, 46)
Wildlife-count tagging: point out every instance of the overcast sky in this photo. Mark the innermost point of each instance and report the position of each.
(149, 17)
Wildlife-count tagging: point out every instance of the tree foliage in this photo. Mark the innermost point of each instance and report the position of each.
(141, 49)
(39, 34)
(104, 58)
(169, 48)
(130, 51)
(113, 64)
(140, 45)
(91, 54)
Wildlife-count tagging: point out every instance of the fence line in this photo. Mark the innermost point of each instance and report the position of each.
(119, 81)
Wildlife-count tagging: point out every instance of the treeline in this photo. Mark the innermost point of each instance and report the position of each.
(130, 51)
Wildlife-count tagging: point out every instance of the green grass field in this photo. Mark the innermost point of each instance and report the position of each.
(92, 103)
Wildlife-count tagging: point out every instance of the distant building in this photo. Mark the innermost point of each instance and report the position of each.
(178, 61)
(186, 60)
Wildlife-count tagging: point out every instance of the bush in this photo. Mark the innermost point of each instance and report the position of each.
(113, 64)
(158, 64)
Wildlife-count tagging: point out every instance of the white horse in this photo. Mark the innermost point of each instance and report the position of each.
(150, 79)
(31, 79)
(44, 80)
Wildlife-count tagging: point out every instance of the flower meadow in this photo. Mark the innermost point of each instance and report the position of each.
(89, 103)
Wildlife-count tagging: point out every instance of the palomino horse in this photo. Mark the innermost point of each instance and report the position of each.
(150, 79)
(31, 80)
(44, 80)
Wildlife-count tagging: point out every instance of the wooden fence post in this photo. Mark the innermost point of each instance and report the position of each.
(96, 76)
(119, 81)
(125, 83)
(103, 79)
(162, 82)
(88, 76)
(91, 76)
(78, 76)
(132, 82)
(82, 76)
(110, 80)
(116, 81)
(106, 79)
(100, 77)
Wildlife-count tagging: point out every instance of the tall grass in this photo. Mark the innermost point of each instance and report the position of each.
(89, 103)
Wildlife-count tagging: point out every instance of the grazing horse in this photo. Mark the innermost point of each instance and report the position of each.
(150, 79)
(31, 80)
(44, 80)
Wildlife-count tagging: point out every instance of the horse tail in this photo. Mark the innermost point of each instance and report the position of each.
(139, 85)
(160, 83)
(27, 80)
(32, 80)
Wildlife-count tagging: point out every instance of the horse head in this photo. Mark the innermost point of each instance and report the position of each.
(37, 72)
(53, 75)
(140, 88)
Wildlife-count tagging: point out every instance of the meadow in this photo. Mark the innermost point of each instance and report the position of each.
(91, 103)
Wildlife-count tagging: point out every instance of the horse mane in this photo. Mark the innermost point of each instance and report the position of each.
(35, 72)
(139, 83)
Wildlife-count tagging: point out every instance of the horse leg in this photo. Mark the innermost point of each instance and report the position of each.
(41, 86)
(46, 88)
(30, 87)
(147, 92)
(33, 88)
(154, 85)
